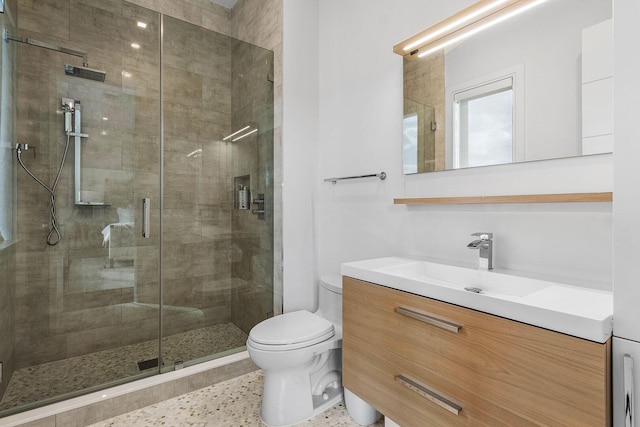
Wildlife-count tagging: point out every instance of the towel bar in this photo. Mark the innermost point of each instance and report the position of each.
(381, 175)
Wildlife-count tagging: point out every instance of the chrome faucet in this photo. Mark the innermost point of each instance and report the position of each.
(485, 246)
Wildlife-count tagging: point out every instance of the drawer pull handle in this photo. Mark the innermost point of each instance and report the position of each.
(425, 317)
(429, 393)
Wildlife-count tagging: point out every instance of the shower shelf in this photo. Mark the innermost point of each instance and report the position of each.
(516, 198)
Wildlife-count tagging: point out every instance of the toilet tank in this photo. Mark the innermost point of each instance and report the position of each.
(330, 301)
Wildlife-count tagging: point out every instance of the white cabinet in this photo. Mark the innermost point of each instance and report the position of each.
(597, 88)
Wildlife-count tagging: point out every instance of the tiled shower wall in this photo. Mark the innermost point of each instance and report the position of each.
(7, 324)
(197, 239)
(260, 22)
(59, 318)
(256, 270)
(252, 83)
(424, 85)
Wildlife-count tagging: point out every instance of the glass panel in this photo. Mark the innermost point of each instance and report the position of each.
(8, 194)
(82, 312)
(419, 137)
(410, 143)
(217, 253)
(86, 307)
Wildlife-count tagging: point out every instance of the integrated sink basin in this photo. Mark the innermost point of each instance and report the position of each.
(574, 310)
(478, 281)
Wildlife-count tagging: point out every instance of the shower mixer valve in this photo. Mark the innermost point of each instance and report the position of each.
(25, 147)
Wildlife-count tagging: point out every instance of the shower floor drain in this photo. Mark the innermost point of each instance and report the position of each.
(148, 364)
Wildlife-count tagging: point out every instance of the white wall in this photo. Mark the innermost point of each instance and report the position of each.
(299, 151)
(627, 173)
(360, 109)
(354, 103)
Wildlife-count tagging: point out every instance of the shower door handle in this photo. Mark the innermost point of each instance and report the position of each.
(146, 217)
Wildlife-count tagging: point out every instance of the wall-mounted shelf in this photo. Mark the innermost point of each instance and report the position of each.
(518, 198)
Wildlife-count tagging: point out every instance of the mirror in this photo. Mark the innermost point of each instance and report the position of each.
(538, 86)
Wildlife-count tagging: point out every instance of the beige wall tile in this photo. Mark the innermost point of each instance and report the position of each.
(51, 17)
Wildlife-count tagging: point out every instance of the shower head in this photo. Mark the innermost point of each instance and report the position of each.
(84, 72)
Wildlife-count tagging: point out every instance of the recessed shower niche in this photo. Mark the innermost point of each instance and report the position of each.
(153, 233)
(242, 185)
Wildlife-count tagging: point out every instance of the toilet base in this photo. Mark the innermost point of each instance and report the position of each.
(335, 396)
(300, 386)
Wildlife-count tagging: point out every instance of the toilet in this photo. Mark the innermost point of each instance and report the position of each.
(300, 354)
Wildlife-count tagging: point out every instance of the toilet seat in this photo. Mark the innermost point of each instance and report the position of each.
(290, 331)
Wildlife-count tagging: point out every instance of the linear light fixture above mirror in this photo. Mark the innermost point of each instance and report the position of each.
(475, 18)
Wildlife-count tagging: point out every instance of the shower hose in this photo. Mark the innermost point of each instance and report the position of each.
(54, 237)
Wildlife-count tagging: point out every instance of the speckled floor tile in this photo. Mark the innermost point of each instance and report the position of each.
(40, 382)
(233, 403)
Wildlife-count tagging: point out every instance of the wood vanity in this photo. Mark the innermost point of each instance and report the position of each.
(424, 362)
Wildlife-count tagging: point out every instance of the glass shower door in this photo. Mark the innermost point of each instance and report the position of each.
(163, 199)
(217, 238)
(86, 304)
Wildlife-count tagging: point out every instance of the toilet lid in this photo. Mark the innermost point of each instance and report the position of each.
(297, 327)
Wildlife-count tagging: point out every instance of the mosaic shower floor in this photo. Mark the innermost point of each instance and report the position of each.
(231, 403)
(40, 382)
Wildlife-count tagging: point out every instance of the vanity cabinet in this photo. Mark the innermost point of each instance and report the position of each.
(424, 362)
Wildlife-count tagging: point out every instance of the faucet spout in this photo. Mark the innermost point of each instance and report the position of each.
(474, 244)
(485, 249)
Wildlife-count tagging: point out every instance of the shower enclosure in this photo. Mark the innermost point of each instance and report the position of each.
(164, 202)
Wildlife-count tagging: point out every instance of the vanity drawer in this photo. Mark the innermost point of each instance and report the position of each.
(496, 369)
(382, 379)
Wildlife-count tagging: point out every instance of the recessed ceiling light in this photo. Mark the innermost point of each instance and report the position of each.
(142, 24)
(135, 45)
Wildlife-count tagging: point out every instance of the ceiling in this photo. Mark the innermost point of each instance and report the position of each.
(226, 3)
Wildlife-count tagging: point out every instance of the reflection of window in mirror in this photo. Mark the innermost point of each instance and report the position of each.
(483, 124)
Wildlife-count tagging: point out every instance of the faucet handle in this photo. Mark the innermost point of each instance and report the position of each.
(483, 235)
(25, 147)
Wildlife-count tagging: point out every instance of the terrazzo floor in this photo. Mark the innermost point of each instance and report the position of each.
(49, 380)
(232, 403)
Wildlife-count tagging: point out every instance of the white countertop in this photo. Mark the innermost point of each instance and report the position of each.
(572, 310)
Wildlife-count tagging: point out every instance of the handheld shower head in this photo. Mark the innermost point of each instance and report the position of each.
(85, 73)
